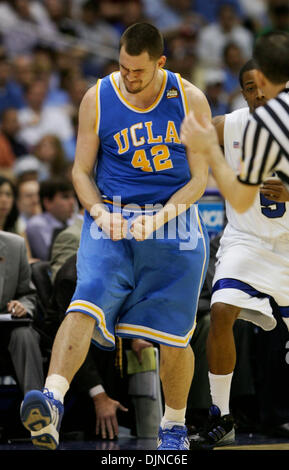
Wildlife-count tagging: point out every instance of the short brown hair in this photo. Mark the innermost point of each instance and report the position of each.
(271, 53)
(142, 37)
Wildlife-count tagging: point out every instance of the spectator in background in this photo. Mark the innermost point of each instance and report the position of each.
(8, 210)
(37, 119)
(111, 11)
(58, 203)
(209, 10)
(24, 23)
(49, 150)
(45, 69)
(76, 88)
(11, 146)
(66, 245)
(28, 202)
(68, 64)
(255, 14)
(233, 62)
(20, 344)
(8, 207)
(7, 156)
(9, 93)
(110, 67)
(59, 13)
(213, 37)
(166, 15)
(23, 74)
(132, 12)
(96, 33)
(29, 167)
(278, 12)
(181, 53)
(214, 90)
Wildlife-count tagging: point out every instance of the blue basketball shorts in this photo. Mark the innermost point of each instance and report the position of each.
(142, 289)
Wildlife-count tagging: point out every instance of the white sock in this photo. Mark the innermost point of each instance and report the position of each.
(220, 386)
(173, 417)
(58, 385)
(286, 321)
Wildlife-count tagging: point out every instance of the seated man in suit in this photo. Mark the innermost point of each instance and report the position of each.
(66, 244)
(58, 204)
(19, 343)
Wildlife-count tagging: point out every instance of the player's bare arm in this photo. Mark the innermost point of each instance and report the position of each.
(199, 134)
(219, 123)
(193, 190)
(87, 146)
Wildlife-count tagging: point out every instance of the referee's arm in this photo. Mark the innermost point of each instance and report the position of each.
(260, 153)
(202, 137)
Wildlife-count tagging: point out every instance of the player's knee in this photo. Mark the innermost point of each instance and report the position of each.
(223, 315)
(171, 355)
(78, 319)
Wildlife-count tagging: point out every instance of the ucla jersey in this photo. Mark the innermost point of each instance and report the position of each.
(141, 158)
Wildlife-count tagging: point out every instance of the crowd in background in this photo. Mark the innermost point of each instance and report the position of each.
(52, 51)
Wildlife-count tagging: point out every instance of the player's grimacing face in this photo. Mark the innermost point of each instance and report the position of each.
(137, 72)
(252, 94)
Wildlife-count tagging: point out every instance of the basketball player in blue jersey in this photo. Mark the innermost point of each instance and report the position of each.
(144, 249)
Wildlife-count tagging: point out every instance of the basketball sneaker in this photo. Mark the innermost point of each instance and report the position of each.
(175, 438)
(41, 414)
(219, 431)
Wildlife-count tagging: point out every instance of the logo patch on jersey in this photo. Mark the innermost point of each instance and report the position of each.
(236, 144)
(172, 92)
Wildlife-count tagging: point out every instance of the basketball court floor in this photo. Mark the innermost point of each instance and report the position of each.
(135, 453)
(127, 442)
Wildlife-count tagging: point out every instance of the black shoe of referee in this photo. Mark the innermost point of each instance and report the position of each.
(218, 431)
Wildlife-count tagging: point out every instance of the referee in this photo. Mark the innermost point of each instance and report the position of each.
(265, 148)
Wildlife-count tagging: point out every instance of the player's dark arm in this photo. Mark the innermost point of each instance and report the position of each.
(275, 190)
(219, 123)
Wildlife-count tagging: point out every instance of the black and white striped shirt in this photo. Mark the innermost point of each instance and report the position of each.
(266, 142)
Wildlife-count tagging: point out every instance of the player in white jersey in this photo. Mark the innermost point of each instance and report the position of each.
(265, 141)
(252, 267)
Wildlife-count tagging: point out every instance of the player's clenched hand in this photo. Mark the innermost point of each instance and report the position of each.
(113, 224)
(198, 134)
(142, 227)
(274, 190)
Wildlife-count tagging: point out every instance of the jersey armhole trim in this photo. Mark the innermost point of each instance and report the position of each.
(97, 106)
(183, 93)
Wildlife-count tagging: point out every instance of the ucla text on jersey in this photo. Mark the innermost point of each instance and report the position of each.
(141, 158)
